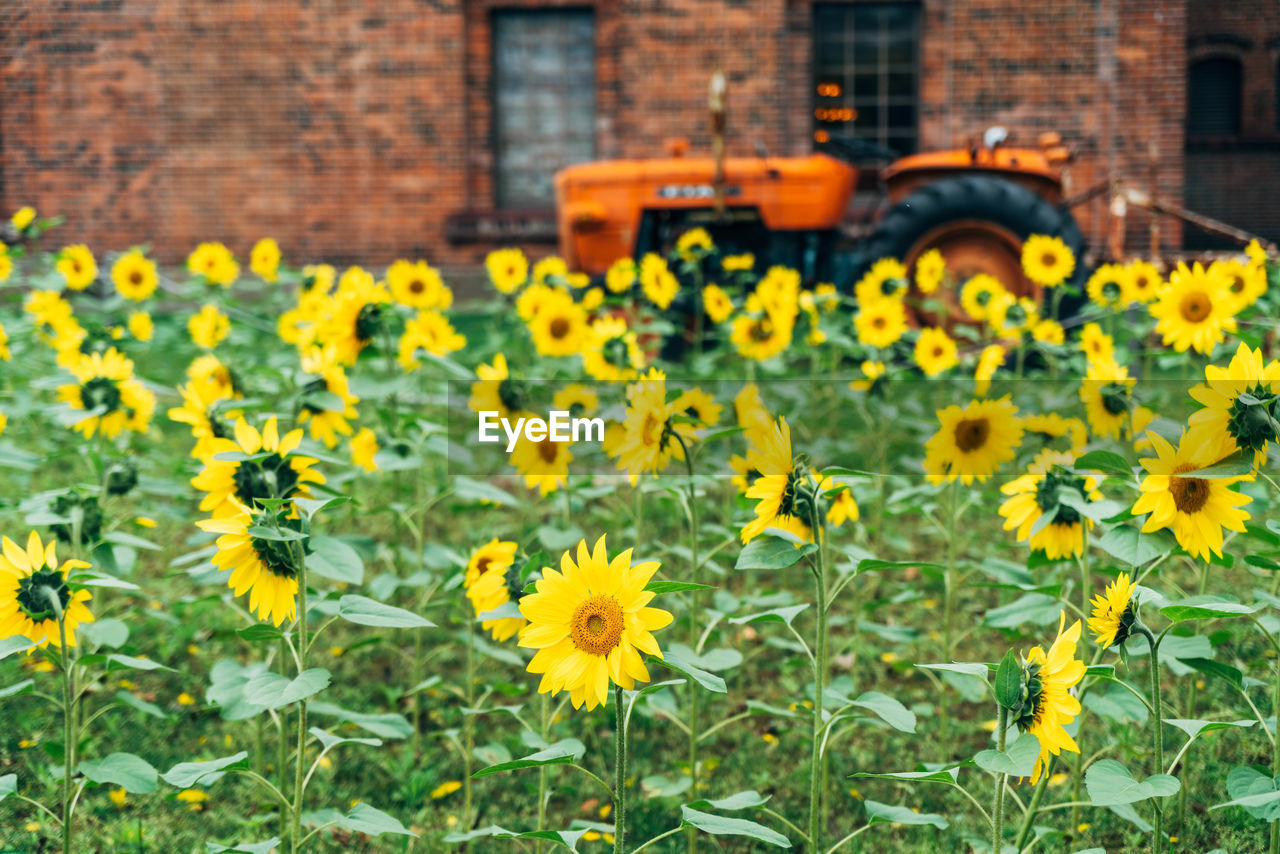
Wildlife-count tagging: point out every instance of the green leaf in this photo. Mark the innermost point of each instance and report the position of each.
(872, 565)
(765, 552)
(888, 710)
(1109, 783)
(260, 633)
(1194, 728)
(142, 705)
(719, 825)
(966, 668)
(564, 752)
(479, 491)
(373, 822)
(774, 615)
(675, 586)
(311, 506)
(1031, 608)
(710, 681)
(1017, 760)
(328, 740)
(368, 612)
(17, 643)
(274, 691)
(131, 773)
(737, 801)
(1008, 686)
(17, 688)
(1237, 465)
(388, 725)
(937, 775)
(1206, 608)
(335, 559)
(1105, 461)
(267, 847)
(184, 775)
(1256, 792)
(879, 813)
(133, 663)
(279, 535)
(8, 785)
(1130, 546)
(120, 538)
(1217, 669)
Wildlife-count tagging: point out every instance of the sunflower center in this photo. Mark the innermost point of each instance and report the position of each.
(135, 277)
(368, 321)
(1048, 259)
(270, 477)
(33, 594)
(1111, 292)
(652, 429)
(596, 625)
(1189, 493)
(548, 451)
(100, 392)
(417, 286)
(1195, 307)
(559, 327)
(971, 434)
(1141, 282)
(937, 352)
(761, 330)
(1237, 283)
(889, 287)
(879, 322)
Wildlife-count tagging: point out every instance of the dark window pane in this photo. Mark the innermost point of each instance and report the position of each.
(1213, 97)
(900, 117)
(543, 100)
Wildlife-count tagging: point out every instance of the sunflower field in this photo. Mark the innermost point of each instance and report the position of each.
(687, 558)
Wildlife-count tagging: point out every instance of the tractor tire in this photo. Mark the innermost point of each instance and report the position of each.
(986, 209)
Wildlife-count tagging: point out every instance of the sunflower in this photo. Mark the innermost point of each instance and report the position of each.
(886, 278)
(610, 351)
(551, 270)
(1110, 286)
(4, 344)
(1107, 394)
(355, 314)
(28, 580)
(1144, 282)
(761, 336)
(1039, 492)
(1054, 426)
(699, 406)
(935, 351)
(214, 263)
(496, 391)
(592, 299)
(508, 269)
(716, 303)
(1195, 310)
(1010, 316)
(364, 449)
(208, 327)
(202, 411)
(495, 587)
(264, 259)
(589, 622)
(109, 394)
(977, 294)
(1096, 344)
(621, 275)
(418, 285)
(1047, 261)
(1244, 283)
(749, 408)
(659, 284)
(331, 418)
(141, 326)
(931, 269)
(1255, 253)
(273, 470)
(77, 266)
(651, 436)
(1049, 331)
(1048, 706)
(1197, 509)
(560, 326)
(6, 263)
(1246, 425)
(495, 554)
(208, 368)
(880, 323)
(533, 298)
(134, 276)
(49, 312)
(989, 361)
(22, 218)
(738, 263)
(430, 332)
(576, 399)
(544, 464)
(779, 291)
(266, 569)
(871, 377)
(784, 491)
(318, 278)
(973, 441)
(843, 508)
(1115, 612)
(694, 244)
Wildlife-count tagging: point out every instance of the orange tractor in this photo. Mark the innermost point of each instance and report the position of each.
(976, 205)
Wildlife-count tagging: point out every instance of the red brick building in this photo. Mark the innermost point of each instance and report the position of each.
(369, 130)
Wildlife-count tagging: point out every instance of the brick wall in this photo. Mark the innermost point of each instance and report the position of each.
(353, 130)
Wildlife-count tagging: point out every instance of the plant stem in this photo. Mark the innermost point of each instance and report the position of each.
(946, 614)
(468, 726)
(819, 687)
(997, 801)
(620, 773)
(694, 611)
(282, 745)
(1275, 757)
(544, 701)
(1157, 834)
(68, 730)
(300, 767)
(1025, 830)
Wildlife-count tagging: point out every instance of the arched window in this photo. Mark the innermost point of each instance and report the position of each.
(1213, 97)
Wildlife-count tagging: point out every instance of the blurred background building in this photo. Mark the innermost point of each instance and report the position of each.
(364, 131)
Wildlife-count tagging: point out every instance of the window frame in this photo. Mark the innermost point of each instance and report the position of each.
(1226, 57)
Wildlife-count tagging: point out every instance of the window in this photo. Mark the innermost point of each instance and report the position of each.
(543, 100)
(866, 72)
(1213, 97)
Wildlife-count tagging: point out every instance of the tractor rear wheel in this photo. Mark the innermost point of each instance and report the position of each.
(978, 223)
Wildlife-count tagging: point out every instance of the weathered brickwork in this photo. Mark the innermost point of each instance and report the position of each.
(356, 130)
